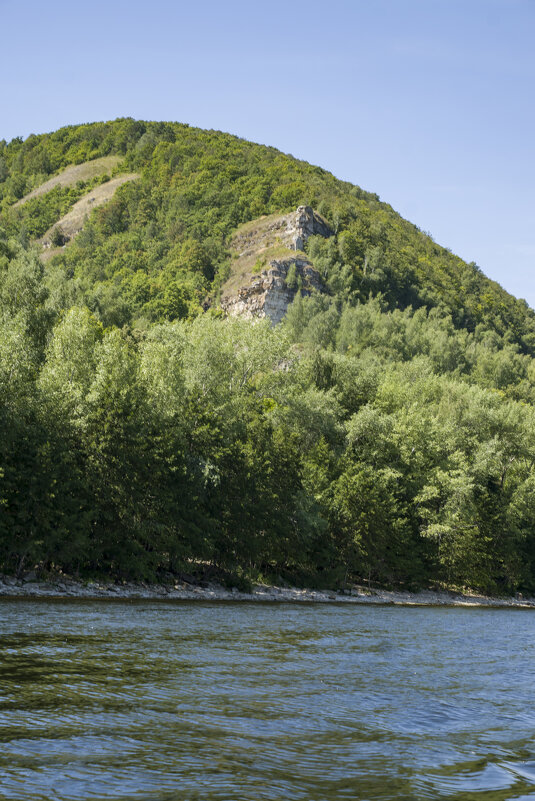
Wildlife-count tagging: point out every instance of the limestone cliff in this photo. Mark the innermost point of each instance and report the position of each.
(269, 267)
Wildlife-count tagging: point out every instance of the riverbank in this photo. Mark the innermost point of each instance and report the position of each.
(66, 587)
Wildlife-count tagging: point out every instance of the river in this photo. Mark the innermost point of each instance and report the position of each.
(173, 701)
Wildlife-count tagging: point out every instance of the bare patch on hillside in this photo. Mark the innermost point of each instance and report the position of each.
(275, 237)
(245, 268)
(71, 175)
(269, 266)
(73, 222)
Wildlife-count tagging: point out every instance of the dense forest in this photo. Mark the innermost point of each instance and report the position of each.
(384, 431)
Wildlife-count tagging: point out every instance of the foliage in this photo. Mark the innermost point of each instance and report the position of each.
(161, 242)
(384, 432)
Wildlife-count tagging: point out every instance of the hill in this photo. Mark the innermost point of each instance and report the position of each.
(382, 431)
(173, 225)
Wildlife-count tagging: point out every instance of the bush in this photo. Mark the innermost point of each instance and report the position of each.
(58, 238)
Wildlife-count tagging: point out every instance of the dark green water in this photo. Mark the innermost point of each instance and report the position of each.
(152, 700)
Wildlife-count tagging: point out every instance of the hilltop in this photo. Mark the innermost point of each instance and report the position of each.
(161, 246)
(378, 426)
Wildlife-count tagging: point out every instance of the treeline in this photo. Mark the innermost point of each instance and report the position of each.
(350, 443)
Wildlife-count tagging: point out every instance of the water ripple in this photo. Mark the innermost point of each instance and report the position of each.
(161, 701)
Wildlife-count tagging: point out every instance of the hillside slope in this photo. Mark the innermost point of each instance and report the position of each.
(382, 431)
(72, 174)
(161, 246)
(74, 220)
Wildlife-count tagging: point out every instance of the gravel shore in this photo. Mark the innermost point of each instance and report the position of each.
(32, 587)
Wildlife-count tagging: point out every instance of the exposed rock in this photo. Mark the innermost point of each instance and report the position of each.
(10, 587)
(268, 295)
(270, 241)
(291, 230)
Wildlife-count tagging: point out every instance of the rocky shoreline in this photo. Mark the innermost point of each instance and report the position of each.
(31, 586)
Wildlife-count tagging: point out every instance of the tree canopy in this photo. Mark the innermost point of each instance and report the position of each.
(383, 432)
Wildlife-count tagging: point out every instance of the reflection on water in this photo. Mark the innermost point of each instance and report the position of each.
(161, 701)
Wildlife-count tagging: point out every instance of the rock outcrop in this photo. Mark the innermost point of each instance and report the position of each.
(291, 230)
(268, 244)
(269, 295)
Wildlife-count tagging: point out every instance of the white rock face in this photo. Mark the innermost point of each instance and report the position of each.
(268, 293)
(291, 230)
(308, 223)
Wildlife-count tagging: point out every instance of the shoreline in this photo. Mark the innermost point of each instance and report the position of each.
(63, 587)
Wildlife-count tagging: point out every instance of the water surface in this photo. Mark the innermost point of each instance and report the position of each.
(155, 700)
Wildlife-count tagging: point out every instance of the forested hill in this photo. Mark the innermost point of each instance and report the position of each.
(158, 248)
(383, 431)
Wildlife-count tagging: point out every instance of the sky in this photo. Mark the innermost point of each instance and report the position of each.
(428, 103)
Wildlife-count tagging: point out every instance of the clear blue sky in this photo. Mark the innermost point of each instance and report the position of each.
(429, 103)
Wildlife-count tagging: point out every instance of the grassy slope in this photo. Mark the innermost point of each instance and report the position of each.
(72, 223)
(71, 175)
